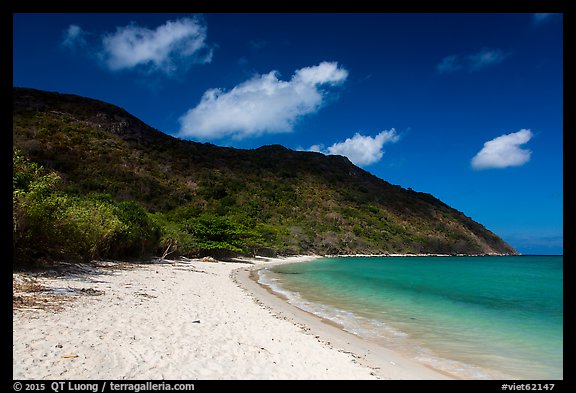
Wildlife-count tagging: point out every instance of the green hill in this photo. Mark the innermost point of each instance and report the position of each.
(203, 199)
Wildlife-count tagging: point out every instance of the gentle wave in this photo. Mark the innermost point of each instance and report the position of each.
(475, 317)
(377, 331)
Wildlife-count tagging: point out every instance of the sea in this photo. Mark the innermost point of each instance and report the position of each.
(482, 317)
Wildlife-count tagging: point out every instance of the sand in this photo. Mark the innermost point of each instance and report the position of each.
(187, 320)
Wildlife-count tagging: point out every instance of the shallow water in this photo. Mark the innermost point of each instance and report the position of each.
(475, 317)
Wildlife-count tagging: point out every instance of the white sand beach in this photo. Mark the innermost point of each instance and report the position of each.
(187, 320)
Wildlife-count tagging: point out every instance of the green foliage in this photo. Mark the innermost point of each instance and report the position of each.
(210, 235)
(138, 235)
(220, 235)
(174, 237)
(29, 177)
(162, 194)
(63, 226)
(52, 223)
(78, 226)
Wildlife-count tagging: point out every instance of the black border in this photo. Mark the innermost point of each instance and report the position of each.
(346, 6)
(251, 6)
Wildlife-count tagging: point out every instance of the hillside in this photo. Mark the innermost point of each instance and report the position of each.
(290, 202)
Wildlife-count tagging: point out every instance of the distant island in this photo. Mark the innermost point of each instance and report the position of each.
(92, 181)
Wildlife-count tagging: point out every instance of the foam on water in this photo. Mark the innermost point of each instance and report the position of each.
(376, 331)
(413, 329)
(349, 321)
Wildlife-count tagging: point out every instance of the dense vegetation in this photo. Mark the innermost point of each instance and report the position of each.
(92, 181)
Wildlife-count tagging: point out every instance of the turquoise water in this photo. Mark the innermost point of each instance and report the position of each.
(474, 317)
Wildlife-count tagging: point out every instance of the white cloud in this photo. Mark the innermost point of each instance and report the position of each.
(360, 149)
(260, 105)
(74, 36)
(504, 151)
(315, 148)
(475, 62)
(324, 72)
(170, 46)
(484, 58)
(449, 64)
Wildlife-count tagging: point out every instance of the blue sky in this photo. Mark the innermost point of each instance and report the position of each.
(467, 107)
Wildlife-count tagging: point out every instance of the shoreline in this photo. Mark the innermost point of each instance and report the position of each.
(385, 363)
(330, 327)
(185, 320)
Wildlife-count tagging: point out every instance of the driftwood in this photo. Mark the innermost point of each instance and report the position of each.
(167, 251)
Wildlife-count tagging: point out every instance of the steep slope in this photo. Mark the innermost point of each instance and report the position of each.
(302, 202)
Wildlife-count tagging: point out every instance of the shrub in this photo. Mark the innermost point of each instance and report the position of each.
(63, 226)
(138, 235)
(223, 236)
(48, 222)
(174, 239)
(85, 228)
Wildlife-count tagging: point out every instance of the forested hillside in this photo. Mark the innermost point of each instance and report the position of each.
(90, 181)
